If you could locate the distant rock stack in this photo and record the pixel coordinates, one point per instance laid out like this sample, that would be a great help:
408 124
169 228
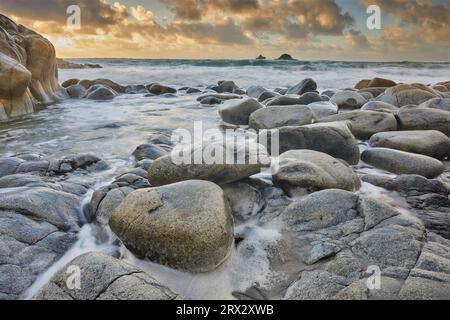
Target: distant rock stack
285 56
28 70
261 57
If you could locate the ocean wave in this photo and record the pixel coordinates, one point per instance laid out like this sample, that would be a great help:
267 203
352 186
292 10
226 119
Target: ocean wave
277 64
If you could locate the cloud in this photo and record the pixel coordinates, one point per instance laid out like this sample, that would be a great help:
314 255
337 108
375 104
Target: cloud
357 40
429 21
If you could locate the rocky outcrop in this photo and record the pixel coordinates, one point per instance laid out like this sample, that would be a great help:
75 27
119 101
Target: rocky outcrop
105 278
28 70
286 56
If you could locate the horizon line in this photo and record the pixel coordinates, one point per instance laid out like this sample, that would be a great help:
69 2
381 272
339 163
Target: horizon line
267 59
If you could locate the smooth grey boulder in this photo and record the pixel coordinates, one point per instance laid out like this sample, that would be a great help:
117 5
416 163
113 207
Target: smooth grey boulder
437 103
217 98
294 99
136 89
159 89
149 151
333 138
105 278
400 162
186 226
348 100
101 93
256 91
364 124
224 86
300 170
275 117
238 111
306 85
76 91
268 95
431 143
380 106
404 94
424 119
179 165
323 109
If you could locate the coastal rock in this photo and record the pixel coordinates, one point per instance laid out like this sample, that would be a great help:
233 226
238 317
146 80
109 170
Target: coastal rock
109 84
403 95
286 100
437 103
86 83
275 117
306 85
265 96
381 83
149 151
364 124
37 226
159 89
379 106
400 162
323 109
375 92
430 143
362 84
320 210
105 278
70 82
101 93
334 139
315 285
225 87
179 165
285 56
238 111
261 57
216 98
28 70
187 225
76 91
136 89
424 119
245 200
348 100
300 170
256 91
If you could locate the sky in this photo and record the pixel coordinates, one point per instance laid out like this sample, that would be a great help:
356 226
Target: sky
413 30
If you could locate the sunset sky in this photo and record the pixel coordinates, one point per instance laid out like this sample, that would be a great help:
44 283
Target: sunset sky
308 29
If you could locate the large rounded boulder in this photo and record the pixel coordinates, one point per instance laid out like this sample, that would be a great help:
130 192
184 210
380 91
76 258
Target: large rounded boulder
306 170
238 111
187 226
400 162
427 142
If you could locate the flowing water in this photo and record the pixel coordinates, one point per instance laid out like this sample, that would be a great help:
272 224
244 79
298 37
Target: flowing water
113 129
